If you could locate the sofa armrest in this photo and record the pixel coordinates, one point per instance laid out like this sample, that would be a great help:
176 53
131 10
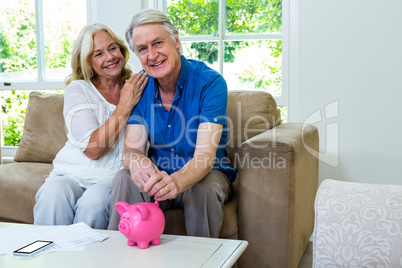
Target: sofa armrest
278 180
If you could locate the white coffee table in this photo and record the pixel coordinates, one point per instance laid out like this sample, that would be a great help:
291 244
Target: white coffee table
174 251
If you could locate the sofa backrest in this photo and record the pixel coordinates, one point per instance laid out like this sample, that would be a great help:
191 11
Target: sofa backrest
249 113
44 129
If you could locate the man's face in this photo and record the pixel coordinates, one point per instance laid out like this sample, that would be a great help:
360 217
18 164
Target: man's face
158 54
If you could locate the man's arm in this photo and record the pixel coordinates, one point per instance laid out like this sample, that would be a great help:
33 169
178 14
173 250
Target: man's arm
134 154
164 186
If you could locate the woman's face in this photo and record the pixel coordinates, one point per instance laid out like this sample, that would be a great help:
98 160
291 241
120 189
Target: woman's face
106 58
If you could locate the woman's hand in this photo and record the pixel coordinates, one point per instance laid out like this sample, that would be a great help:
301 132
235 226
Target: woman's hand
106 135
132 90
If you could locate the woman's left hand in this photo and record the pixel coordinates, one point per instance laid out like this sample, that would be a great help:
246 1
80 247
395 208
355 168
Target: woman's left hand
132 90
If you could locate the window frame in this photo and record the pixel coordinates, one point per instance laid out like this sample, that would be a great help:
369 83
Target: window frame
222 37
41 82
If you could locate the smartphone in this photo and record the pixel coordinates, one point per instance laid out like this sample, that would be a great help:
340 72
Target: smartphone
33 248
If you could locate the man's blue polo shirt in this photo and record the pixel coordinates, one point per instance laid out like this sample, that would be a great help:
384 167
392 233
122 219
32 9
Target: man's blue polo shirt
201 97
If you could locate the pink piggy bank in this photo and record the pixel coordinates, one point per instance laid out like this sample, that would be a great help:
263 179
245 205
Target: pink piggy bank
141 223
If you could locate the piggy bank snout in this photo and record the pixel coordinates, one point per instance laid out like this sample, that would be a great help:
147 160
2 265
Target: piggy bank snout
124 227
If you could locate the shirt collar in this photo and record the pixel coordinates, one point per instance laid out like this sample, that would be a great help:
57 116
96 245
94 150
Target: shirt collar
182 78
183 74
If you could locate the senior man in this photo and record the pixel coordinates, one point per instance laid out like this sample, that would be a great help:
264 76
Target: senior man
176 137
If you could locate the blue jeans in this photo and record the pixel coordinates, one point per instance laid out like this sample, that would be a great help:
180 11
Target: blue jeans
62 201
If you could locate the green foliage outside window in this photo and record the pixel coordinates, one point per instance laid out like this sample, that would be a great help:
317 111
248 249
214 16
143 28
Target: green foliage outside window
201 17
18 47
18 52
13 108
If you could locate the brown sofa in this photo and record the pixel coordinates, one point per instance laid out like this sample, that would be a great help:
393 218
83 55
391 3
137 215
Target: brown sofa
273 206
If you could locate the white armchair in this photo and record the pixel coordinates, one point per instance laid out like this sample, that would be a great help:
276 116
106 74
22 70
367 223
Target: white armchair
357 225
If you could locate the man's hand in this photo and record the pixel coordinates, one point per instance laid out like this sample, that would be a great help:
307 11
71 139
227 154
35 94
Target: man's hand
141 169
161 186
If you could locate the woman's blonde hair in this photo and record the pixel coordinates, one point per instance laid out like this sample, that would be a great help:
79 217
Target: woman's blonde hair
82 49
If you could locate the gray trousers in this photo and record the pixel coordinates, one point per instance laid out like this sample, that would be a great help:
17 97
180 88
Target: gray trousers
202 203
62 201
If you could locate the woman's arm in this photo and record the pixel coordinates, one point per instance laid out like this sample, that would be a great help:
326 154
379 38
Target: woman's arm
103 138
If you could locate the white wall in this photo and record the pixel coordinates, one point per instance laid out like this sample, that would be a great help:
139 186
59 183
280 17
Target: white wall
117 15
346 55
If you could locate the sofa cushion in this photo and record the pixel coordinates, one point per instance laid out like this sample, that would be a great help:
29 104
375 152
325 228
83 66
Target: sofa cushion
44 132
175 223
19 183
249 114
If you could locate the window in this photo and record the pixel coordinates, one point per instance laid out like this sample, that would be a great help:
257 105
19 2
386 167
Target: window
36 39
241 39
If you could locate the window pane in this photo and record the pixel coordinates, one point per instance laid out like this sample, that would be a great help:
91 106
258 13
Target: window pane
17 40
194 17
284 113
62 20
253 16
254 65
14 105
202 51
13 108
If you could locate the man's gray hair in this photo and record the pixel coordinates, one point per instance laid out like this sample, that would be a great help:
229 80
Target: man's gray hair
151 16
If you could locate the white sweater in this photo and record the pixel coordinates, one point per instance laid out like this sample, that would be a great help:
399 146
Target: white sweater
85 110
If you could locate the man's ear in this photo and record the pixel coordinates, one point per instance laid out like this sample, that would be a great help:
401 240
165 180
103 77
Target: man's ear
176 36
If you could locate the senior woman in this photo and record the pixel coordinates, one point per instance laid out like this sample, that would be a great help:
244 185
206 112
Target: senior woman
100 95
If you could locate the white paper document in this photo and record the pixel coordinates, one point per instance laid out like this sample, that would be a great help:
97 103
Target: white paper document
66 238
